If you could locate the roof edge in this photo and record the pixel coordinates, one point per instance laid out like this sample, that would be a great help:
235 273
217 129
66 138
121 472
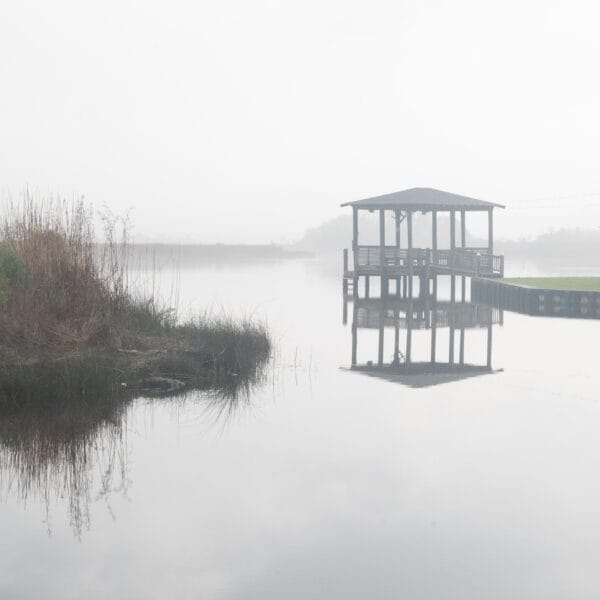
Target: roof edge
375 207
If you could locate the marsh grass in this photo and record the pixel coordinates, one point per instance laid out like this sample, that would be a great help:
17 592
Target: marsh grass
70 326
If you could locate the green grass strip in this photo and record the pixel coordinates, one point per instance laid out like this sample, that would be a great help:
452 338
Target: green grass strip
582 284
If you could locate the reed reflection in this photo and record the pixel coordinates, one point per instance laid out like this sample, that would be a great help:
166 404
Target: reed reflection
73 450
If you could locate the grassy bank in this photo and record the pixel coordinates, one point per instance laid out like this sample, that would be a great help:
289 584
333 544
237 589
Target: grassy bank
69 325
582 284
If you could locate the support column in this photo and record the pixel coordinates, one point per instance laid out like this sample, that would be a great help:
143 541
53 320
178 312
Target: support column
433 333
491 231
396 337
345 310
409 313
489 345
452 249
398 215
354 332
383 279
355 252
381 336
434 247
463 244
409 224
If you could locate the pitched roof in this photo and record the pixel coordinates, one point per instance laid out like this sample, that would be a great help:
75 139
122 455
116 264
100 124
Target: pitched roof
425 199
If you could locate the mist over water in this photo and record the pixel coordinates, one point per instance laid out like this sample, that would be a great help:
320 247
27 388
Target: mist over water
322 480
420 446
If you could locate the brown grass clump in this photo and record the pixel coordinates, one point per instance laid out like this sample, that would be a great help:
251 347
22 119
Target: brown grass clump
56 296
68 321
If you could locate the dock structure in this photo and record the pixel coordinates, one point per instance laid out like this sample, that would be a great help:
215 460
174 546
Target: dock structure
401 262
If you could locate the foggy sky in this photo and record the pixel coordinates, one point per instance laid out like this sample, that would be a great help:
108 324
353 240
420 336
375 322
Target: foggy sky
236 121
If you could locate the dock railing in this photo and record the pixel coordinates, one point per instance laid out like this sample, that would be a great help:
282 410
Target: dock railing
464 261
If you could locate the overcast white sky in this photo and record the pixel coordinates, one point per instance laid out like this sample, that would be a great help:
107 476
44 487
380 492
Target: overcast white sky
238 121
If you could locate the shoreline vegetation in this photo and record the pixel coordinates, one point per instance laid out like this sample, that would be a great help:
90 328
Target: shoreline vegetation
70 326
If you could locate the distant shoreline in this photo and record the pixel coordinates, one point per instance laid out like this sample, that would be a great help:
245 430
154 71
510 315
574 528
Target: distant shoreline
225 252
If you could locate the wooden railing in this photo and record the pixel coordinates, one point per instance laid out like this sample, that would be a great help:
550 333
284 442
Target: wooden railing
372 256
467 261
470 261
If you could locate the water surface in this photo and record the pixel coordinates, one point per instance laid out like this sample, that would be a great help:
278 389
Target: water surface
325 482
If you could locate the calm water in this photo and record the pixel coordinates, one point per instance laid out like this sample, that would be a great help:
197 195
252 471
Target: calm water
325 483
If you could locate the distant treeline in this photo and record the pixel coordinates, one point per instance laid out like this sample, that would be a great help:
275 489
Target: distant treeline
336 234
188 254
580 244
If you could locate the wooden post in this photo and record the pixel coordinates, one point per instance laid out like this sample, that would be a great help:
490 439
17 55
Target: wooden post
409 331
452 249
367 285
396 337
382 236
355 251
381 336
354 332
433 332
489 345
383 279
409 224
451 346
461 351
397 215
434 247
463 244
491 231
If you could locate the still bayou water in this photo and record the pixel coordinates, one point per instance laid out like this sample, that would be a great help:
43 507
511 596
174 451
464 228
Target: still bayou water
324 483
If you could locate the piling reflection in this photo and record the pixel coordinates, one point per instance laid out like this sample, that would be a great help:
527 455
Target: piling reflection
74 451
439 360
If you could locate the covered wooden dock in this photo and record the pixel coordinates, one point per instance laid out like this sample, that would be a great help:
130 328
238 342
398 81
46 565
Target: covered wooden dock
401 261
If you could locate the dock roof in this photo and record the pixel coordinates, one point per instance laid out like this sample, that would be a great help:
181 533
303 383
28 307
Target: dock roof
423 199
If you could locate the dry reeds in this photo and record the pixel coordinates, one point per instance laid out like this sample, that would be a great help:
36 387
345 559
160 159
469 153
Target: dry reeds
63 299
67 319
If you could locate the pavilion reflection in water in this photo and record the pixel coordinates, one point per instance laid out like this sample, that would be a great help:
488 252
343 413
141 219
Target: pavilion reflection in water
445 361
